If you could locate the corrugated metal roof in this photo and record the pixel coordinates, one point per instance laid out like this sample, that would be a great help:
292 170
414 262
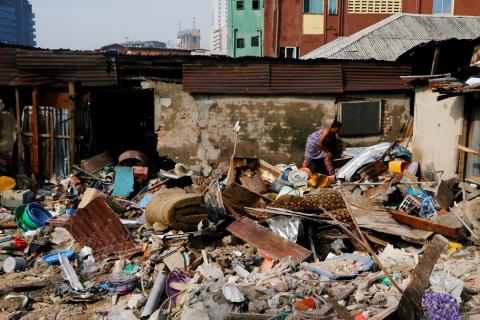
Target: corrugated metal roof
29 67
300 78
262 79
390 38
360 77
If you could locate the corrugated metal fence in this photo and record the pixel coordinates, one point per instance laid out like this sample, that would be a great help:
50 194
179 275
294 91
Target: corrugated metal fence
54 138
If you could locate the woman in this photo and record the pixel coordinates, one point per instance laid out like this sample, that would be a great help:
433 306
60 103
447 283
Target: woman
318 149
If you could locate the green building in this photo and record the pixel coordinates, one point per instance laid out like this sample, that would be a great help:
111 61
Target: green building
245 28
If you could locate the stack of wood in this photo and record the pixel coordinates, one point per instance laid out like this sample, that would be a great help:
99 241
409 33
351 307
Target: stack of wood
315 203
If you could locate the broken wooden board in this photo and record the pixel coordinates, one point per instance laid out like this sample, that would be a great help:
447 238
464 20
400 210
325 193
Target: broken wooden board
379 193
424 224
444 195
342 295
473 179
410 307
265 166
472 193
373 217
266 241
242 197
97 163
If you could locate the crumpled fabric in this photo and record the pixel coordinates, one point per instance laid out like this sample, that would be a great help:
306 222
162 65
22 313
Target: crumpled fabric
177 276
440 306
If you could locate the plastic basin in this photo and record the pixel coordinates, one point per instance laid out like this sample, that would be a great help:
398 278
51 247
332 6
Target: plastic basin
23 220
38 214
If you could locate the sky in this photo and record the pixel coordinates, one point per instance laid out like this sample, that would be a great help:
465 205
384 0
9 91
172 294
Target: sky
91 24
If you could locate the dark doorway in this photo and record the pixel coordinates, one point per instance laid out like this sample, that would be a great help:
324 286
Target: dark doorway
123 119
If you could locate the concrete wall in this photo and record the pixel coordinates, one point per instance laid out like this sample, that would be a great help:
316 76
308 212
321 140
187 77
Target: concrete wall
198 130
437 127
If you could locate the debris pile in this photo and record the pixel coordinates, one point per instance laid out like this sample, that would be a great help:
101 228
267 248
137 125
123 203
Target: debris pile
124 240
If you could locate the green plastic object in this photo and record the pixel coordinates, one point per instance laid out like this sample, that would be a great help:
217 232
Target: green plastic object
22 219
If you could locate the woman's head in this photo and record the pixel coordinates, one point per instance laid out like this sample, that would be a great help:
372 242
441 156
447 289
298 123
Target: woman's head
336 127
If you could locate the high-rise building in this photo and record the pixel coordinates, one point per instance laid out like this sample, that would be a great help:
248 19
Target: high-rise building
218 36
17 25
189 39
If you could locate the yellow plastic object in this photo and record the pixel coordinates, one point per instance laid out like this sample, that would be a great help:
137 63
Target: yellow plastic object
7 183
454 247
397 166
319 181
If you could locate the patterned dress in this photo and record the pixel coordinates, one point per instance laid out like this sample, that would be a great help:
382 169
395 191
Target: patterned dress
313 151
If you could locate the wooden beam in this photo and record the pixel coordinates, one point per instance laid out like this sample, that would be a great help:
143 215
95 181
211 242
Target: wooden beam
410 307
51 128
35 137
424 224
436 57
72 107
18 115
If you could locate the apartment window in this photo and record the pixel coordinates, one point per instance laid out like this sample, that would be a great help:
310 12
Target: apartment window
239 4
374 6
361 118
255 4
313 6
255 41
333 7
290 52
442 6
240 43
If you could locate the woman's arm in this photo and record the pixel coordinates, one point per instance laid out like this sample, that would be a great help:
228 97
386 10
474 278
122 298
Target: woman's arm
322 139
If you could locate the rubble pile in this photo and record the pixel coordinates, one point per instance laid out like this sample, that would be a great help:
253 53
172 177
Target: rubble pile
121 240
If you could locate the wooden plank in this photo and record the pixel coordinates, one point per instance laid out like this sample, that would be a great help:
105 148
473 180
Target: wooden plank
462 140
18 115
410 306
424 224
342 295
264 165
72 107
51 117
374 217
35 137
97 162
468 150
444 195
473 179
240 195
264 240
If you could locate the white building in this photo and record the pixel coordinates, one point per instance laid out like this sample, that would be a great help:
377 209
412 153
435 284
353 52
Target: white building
219 27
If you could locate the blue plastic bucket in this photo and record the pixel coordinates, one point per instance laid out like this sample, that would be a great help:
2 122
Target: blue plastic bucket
38 214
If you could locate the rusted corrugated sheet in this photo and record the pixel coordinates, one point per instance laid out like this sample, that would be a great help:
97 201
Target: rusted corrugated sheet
262 79
98 227
375 77
304 79
8 68
226 79
28 67
270 78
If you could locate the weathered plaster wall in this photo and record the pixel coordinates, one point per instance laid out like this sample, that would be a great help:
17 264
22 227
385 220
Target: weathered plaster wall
198 130
437 127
